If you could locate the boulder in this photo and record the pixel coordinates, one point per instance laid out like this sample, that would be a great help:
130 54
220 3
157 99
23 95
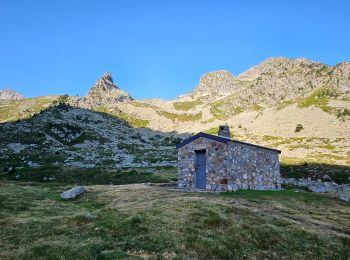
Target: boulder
318 189
232 187
343 197
72 193
326 177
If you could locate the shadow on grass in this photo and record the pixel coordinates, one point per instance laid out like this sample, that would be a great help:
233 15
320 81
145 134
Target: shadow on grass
337 173
92 176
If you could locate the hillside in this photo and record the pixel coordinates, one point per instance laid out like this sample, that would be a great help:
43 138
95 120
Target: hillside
74 137
296 105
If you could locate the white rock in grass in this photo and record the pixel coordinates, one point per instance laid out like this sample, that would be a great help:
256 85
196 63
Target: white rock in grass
343 197
318 189
72 193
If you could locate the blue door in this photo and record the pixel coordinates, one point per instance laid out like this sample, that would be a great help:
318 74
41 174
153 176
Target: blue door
200 170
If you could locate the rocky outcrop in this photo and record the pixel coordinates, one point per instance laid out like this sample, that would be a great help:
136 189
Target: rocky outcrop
341 191
9 94
272 82
215 84
285 79
105 92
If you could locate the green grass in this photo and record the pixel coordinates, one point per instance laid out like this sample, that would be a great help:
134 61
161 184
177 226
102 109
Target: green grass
113 222
133 121
284 104
217 111
212 131
181 117
187 105
299 146
319 98
93 175
268 138
222 109
256 107
142 104
22 109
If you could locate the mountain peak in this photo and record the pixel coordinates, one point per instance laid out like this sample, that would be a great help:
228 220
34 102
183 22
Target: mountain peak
9 94
105 92
215 84
107 76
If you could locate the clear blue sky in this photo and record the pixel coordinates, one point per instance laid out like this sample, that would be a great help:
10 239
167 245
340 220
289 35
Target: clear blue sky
159 48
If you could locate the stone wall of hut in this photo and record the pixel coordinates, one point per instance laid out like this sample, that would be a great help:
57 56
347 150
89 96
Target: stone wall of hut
229 166
253 167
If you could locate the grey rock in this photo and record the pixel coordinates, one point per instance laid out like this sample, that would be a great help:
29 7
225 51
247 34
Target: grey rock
72 193
91 216
318 189
343 197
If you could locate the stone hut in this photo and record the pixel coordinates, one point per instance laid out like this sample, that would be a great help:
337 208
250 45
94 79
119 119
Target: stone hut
219 163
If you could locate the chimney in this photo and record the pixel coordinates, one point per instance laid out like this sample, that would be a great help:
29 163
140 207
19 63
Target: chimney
224 131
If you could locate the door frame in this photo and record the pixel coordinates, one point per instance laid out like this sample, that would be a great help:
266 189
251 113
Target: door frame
195 167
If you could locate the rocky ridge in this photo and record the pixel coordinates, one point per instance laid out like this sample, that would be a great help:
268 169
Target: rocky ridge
9 94
273 82
104 93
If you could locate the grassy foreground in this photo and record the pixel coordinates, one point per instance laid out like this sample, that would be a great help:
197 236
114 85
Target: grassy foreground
139 221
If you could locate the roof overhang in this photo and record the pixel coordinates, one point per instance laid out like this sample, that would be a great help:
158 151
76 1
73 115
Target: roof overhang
220 139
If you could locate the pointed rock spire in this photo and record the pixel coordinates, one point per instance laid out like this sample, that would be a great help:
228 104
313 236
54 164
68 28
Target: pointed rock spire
105 93
107 76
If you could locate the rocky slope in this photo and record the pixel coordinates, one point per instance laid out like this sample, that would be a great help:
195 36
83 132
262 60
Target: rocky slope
264 105
9 94
74 137
274 82
215 84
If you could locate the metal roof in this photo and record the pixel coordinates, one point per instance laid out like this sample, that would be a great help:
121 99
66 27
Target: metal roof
220 139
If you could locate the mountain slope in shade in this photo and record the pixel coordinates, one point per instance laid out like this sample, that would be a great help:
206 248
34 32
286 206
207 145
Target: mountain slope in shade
9 94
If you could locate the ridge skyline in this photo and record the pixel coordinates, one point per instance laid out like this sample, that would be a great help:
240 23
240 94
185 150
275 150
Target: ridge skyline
189 88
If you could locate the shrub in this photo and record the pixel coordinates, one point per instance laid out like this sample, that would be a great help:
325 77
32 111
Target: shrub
63 99
299 128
